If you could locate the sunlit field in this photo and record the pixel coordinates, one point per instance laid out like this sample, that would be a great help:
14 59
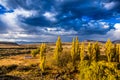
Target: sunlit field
60 61
59 39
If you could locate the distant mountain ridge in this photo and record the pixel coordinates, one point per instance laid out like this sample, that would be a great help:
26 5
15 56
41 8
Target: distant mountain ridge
8 43
25 42
95 41
115 41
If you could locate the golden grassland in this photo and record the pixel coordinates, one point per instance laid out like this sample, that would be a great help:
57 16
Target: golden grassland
16 63
17 55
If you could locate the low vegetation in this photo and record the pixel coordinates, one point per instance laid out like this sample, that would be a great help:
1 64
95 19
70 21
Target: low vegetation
77 61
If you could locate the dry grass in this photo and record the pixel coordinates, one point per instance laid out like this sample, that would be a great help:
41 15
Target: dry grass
16 55
19 60
24 50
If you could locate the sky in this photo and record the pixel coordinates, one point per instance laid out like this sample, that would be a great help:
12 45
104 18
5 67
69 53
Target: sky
44 20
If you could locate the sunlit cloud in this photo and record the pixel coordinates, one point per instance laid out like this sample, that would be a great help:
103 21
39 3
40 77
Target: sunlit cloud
38 20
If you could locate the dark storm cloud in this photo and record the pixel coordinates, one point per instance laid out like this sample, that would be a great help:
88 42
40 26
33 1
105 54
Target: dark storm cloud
30 4
4 10
37 21
3 27
86 17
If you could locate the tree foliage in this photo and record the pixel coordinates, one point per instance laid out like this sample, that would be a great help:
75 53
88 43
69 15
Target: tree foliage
89 51
109 50
93 51
75 50
117 52
42 64
42 56
35 52
42 50
82 52
97 71
58 50
88 69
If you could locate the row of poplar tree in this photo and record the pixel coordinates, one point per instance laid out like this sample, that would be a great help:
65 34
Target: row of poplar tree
112 52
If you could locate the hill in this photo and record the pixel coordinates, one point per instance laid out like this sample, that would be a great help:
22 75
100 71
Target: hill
8 43
116 41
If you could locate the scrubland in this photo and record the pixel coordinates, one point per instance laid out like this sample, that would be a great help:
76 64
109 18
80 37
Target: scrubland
18 63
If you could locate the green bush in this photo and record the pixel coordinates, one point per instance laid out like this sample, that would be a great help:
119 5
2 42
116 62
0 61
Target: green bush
35 52
98 71
65 58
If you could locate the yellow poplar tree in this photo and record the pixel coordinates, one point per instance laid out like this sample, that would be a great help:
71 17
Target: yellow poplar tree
42 56
73 51
77 49
82 52
58 50
93 53
42 64
109 50
97 51
42 50
89 48
117 53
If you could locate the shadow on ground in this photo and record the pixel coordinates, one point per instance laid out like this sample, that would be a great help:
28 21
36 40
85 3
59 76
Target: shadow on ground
8 77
